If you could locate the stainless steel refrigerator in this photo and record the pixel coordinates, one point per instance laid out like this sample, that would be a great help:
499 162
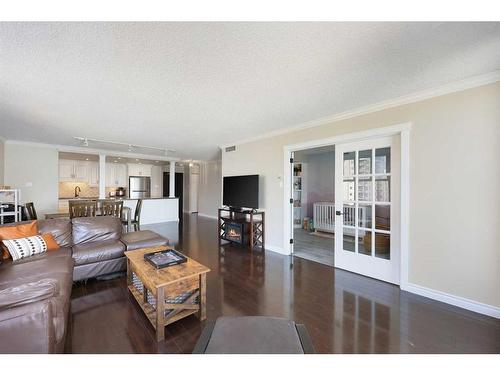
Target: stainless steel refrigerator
139 187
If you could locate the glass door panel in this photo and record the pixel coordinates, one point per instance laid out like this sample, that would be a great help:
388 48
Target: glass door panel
364 242
366 184
365 187
365 162
383 245
349 187
383 160
383 188
349 164
383 217
365 216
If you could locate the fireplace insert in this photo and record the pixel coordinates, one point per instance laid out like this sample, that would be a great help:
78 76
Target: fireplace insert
236 232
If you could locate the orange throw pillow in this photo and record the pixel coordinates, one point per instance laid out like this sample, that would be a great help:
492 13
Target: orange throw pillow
50 241
15 232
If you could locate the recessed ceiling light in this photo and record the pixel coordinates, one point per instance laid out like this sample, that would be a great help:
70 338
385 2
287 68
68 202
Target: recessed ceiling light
116 161
119 158
136 159
157 161
140 163
86 158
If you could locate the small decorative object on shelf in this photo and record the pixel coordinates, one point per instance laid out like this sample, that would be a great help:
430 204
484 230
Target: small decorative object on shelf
165 258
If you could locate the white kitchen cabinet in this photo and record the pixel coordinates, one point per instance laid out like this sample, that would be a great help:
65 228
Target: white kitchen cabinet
116 175
110 175
139 170
93 174
121 175
66 169
133 169
81 168
73 170
194 181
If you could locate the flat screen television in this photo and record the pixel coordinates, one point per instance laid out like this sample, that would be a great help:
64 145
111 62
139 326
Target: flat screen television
241 191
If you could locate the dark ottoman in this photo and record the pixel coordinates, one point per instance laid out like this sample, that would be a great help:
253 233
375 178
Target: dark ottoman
254 335
142 239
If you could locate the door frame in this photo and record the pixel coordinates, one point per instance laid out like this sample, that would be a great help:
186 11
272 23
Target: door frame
403 131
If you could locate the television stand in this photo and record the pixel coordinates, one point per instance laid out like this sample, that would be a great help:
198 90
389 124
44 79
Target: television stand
242 227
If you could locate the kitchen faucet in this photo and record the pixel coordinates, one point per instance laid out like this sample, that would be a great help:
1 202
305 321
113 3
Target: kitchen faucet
77 193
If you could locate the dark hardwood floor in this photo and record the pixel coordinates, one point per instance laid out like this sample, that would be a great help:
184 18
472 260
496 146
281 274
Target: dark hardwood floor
343 312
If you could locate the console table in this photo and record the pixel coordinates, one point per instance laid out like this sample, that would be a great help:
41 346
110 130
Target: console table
246 227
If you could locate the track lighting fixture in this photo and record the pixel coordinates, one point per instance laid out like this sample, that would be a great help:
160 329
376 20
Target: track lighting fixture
130 147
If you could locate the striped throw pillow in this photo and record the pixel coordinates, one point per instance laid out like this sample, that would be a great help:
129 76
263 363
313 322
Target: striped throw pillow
25 247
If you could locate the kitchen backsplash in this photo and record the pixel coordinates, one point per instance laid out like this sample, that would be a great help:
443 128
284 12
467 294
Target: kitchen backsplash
67 190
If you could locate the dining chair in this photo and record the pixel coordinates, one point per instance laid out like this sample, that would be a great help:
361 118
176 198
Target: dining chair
82 209
110 207
136 221
30 211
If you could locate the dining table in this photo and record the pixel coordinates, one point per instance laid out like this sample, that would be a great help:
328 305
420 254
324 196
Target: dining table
126 211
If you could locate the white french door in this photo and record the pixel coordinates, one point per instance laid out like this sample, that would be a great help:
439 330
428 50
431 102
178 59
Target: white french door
367 207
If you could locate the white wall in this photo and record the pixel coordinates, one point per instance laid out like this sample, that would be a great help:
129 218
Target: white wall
34 170
185 187
156 181
320 178
2 161
454 185
193 187
210 189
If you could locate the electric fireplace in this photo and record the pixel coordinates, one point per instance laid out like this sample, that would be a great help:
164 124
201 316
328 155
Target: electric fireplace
236 231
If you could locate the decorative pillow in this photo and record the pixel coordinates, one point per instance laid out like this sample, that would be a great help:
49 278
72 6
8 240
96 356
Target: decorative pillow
25 247
50 241
17 231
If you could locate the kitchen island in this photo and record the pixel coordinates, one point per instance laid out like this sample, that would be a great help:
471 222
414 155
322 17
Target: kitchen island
154 210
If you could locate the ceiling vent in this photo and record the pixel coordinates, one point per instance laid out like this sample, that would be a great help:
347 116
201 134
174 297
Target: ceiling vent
230 148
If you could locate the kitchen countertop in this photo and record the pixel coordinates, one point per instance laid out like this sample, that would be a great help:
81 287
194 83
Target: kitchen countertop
149 198
64 198
124 198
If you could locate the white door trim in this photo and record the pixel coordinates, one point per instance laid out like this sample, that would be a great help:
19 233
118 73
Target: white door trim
403 130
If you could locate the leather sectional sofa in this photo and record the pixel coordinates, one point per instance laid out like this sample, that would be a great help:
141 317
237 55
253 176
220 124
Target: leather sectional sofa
35 292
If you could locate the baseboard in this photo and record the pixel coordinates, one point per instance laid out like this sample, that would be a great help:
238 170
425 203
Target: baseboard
209 216
276 249
451 299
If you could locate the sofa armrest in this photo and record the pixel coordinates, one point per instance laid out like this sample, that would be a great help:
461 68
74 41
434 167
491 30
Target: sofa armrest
28 293
28 328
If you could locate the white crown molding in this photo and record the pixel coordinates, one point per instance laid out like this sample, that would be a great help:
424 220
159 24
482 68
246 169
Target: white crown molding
465 303
462 85
87 150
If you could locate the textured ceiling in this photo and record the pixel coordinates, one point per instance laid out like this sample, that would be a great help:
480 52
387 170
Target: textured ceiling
193 86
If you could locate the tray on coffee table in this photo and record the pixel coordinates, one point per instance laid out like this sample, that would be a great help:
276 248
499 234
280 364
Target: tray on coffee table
165 258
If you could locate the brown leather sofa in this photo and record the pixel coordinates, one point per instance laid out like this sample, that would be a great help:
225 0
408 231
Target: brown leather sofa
35 292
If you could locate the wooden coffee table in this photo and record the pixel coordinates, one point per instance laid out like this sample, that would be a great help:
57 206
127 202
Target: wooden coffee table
168 294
